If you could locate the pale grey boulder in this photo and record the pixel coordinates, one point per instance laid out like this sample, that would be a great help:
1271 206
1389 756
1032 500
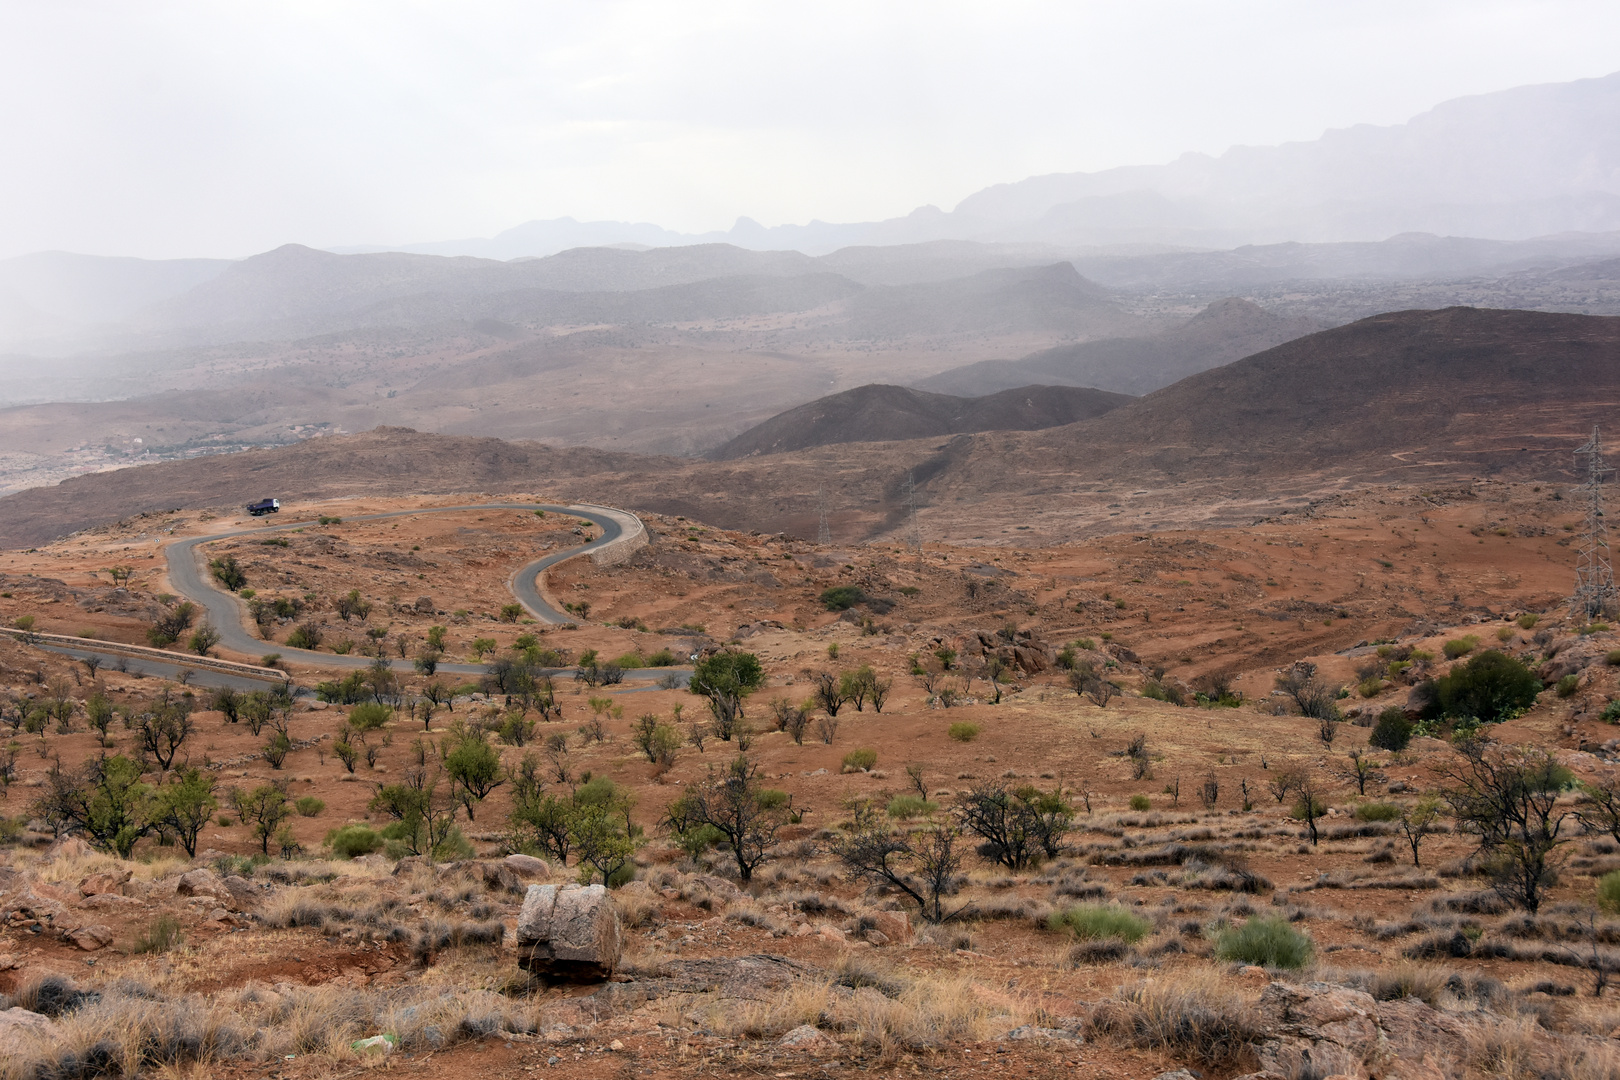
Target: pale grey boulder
569 932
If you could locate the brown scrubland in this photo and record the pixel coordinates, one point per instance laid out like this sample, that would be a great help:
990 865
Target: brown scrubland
1171 838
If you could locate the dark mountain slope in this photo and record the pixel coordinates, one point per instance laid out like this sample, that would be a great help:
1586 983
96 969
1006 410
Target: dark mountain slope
1400 395
880 413
1227 330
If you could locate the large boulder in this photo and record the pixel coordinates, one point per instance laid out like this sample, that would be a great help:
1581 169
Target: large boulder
202 882
92 937
110 881
21 1029
1319 1029
528 865
569 932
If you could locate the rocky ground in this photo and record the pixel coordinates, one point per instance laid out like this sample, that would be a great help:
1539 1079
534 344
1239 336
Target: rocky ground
285 963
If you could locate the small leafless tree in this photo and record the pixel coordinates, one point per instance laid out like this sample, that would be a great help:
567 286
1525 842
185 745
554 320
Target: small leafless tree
1209 792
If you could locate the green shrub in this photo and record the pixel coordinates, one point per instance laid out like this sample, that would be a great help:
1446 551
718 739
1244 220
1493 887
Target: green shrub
661 658
306 636
1267 942
352 841
1141 802
910 806
1504 633
1608 891
1301 811
1568 685
1393 731
963 731
842 597
1460 646
310 806
1370 687
1527 621
631 661
370 715
161 935
1087 644
1489 688
1611 711
1097 922
861 760
1377 811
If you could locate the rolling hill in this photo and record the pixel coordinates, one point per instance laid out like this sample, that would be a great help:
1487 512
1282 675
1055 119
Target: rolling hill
881 413
1227 330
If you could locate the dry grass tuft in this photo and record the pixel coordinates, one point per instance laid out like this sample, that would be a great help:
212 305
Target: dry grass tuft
1196 1015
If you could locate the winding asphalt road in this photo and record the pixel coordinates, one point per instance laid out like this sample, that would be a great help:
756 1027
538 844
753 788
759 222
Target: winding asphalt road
229 616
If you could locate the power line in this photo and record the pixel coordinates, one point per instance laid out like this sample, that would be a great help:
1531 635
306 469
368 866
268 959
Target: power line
1594 576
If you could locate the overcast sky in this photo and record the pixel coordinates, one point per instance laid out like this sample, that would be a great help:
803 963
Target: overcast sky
171 129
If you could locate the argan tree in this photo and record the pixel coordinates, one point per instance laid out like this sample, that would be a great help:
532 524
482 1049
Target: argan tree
732 801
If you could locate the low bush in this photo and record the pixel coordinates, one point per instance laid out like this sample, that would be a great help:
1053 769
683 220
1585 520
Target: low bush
352 841
1378 811
1491 687
842 597
962 731
310 806
1393 731
1092 922
1141 802
1611 711
661 658
1266 942
860 760
1460 646
1608 891
910 806
1568 685
1612 658
1527 621
160 935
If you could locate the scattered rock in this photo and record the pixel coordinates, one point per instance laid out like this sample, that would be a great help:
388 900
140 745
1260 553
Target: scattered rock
893 925
202 882
1183 1074
569 932
806 1037
615 1045
110 902
92 937
68 847
1031 1033
500 877
528 865
244 892
19 1028
109 882
832 933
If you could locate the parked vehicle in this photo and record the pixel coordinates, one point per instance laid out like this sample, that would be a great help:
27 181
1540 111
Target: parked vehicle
264 506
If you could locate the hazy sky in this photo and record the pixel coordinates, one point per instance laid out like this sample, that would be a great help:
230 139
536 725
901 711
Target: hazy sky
169 129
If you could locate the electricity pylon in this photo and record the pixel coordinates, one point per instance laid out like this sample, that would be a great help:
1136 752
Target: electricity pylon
1594 576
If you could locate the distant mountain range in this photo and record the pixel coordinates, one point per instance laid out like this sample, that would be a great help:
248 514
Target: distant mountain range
1418 397
1519 163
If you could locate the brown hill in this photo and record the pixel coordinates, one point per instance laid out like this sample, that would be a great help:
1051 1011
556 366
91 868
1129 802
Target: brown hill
883 413
1459 391
1225 331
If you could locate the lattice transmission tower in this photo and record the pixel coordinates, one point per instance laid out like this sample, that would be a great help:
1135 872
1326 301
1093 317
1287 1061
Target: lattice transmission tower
1594 576
914 532
823 530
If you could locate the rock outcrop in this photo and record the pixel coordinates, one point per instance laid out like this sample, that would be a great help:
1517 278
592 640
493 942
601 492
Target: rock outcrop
569 932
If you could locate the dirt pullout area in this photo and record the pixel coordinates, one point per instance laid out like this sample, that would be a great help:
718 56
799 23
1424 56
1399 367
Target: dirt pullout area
1180 794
